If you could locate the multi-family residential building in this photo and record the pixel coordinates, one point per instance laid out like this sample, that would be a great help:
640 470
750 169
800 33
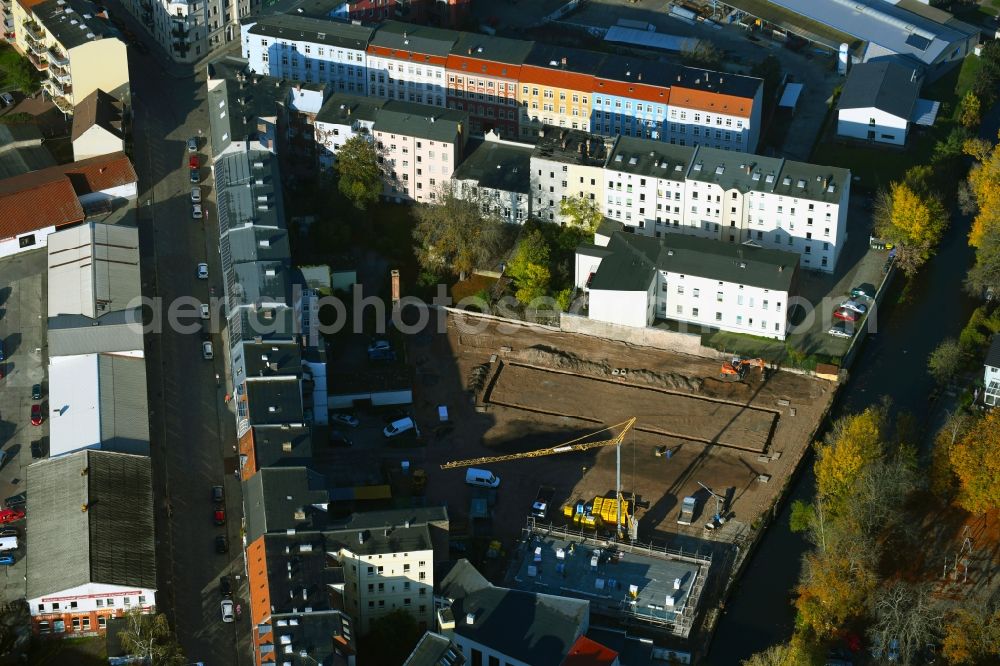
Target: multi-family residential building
308 49
633 280
498 176
566 163
483 74
75 48
92 542
409 63
991 376
653 188
420 147
555 88
714 109
342 117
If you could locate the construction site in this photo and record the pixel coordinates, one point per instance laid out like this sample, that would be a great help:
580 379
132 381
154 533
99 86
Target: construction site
631 445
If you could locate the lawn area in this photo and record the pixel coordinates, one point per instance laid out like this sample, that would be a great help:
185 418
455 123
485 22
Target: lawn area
772 351
91 651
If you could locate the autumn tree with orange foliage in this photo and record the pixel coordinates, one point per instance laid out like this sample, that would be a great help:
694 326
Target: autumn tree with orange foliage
854 441
975 459
984 185
972 634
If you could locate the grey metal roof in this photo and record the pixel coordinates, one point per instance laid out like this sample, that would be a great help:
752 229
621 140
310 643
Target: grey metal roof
124 407
883 85
532 628
415 38
281 445
551 56
93 270
272 358
73 22
314 30
422 121
274 495
993 354
274 400
69 335
20 135
399 539
375 523
241 180
315 277
894 28
435 650
494 49
265 323
344 109
258 243
747 173
111 542
572 146
645 157
634 258
17 161
263 281
498 166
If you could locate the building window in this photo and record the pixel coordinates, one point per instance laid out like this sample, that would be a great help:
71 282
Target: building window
694 312
718 296
718 316
100 604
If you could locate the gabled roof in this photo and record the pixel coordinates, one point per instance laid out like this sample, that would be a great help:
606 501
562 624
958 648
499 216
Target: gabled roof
93 270
414 39
993 354
498 166
345 109
314 30
91 521
882 85
101 109
74 22
422 121
529 627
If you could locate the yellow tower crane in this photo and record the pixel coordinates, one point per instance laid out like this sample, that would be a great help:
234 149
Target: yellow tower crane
571 446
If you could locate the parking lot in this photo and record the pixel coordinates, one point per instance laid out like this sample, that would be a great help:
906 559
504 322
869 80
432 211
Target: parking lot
22 329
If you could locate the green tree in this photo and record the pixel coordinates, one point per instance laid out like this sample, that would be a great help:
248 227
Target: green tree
390 639
18 72
454 237
358 171
769 69
149 637
581 212
946 361
970 112
985 273
803 516
529 267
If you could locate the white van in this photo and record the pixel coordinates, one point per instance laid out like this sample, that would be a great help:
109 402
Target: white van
399 427
482 478
8 543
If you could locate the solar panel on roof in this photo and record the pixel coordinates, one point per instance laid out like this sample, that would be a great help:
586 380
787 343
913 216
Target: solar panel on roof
918 41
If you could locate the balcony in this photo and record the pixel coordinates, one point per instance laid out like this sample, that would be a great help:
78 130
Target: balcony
57 57
59 88
37 47
40 64
34 31
59 73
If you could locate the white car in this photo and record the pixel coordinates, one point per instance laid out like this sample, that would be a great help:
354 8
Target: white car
206 351
841 330
227 610
860 308
196 211
205 314
202 271
196 194
346 419
399 427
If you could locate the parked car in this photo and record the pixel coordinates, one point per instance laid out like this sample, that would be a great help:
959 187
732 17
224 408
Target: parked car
205 313
203 271
196 194
36 414
7 560
36 392
193 162
2 356
6 99
847 315
36 450
193 144
227 610
221 544
196 211
346 419
195 176
860 308
218 494
16 501
379 345
338 438
226 587
9 532
863 291
11 515
219 516
841 329
207 352
399 427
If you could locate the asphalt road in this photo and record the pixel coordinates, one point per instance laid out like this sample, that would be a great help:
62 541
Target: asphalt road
190 427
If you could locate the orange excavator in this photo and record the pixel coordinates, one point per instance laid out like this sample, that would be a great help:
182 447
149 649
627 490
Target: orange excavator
740 368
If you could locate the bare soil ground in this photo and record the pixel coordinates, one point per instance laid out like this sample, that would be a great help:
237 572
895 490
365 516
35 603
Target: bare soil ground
554 387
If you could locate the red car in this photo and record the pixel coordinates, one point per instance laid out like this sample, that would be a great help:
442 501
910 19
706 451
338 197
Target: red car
847 315
36 415
220 516
193 162
11 515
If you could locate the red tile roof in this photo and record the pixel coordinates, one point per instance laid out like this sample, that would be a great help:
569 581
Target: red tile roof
586 652
410 56
50 197
557 78
711 101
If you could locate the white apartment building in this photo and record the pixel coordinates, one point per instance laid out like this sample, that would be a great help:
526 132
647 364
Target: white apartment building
653 189
566 163
189 30
408 62
991 376
308 49
420 148
342 117
633 280
498 175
